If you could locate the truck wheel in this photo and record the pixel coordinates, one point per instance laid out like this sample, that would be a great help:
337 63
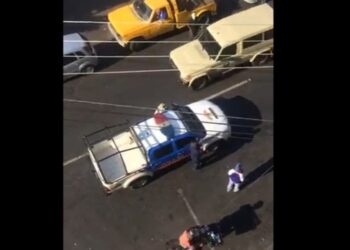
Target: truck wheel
136 44
215 147
140 182
271 56
199 83
261 59
204 18
197 31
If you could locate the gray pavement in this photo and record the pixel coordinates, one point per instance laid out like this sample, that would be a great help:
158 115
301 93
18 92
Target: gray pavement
148 217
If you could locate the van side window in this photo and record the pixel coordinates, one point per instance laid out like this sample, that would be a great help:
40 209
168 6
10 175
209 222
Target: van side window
228 51
67 60
268 34
251 41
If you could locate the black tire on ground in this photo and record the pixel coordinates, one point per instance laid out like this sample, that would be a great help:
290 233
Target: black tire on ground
215 147
140 182
200 83
88 69
271 56
136 44
261 59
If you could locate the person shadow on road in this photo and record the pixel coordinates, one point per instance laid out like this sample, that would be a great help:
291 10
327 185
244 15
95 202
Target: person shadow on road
243 220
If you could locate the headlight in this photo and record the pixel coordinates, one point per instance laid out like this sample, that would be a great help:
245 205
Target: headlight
193 16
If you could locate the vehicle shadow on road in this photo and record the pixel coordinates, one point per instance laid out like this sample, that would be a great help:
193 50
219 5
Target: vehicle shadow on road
72 10
70 28
243 220
109 49
225 8
260 171
242 130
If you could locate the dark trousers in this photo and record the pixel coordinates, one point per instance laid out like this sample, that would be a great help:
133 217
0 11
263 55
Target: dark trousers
196 161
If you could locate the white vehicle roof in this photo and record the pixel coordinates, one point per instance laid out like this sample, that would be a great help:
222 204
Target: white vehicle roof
242 25
71 47
149 132
212 117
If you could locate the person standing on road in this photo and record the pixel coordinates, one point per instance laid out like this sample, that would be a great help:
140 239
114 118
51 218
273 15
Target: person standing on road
235 178
195 154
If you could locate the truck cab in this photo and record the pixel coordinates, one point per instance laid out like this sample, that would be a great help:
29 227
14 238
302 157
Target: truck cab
141 20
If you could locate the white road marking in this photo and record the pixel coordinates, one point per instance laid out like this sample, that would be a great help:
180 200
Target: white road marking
194 216
207 98
228 89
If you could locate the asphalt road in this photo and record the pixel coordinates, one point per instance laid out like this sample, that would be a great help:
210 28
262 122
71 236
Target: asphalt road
148 217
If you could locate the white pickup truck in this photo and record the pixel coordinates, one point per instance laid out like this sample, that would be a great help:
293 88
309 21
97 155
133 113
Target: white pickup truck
130 158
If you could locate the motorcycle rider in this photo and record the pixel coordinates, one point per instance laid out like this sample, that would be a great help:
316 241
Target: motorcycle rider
194 238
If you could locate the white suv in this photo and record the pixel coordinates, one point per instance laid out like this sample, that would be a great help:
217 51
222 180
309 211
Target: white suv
244 37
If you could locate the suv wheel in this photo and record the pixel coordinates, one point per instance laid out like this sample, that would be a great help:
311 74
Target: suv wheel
88 69
136 44
140 182
214 148
199 83
261 59
197 30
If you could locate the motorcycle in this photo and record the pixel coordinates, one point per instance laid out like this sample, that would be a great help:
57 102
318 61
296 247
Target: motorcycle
214 239
211 238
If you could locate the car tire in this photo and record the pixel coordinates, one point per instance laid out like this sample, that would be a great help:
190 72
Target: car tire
261 59
88 69
215 147
200 83
140 182
135 45
197 31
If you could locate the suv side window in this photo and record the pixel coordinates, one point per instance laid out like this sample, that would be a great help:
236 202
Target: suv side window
183 142
163 151
67 60
251 41
228 51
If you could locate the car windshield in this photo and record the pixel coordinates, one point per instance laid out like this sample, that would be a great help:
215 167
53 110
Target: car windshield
209 44
189 119
142 9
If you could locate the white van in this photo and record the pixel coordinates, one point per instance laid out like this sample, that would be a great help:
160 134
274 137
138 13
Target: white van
76 55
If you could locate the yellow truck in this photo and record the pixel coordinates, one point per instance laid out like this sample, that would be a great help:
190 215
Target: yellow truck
141 20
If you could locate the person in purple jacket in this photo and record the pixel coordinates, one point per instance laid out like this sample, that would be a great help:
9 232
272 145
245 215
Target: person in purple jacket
235 178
